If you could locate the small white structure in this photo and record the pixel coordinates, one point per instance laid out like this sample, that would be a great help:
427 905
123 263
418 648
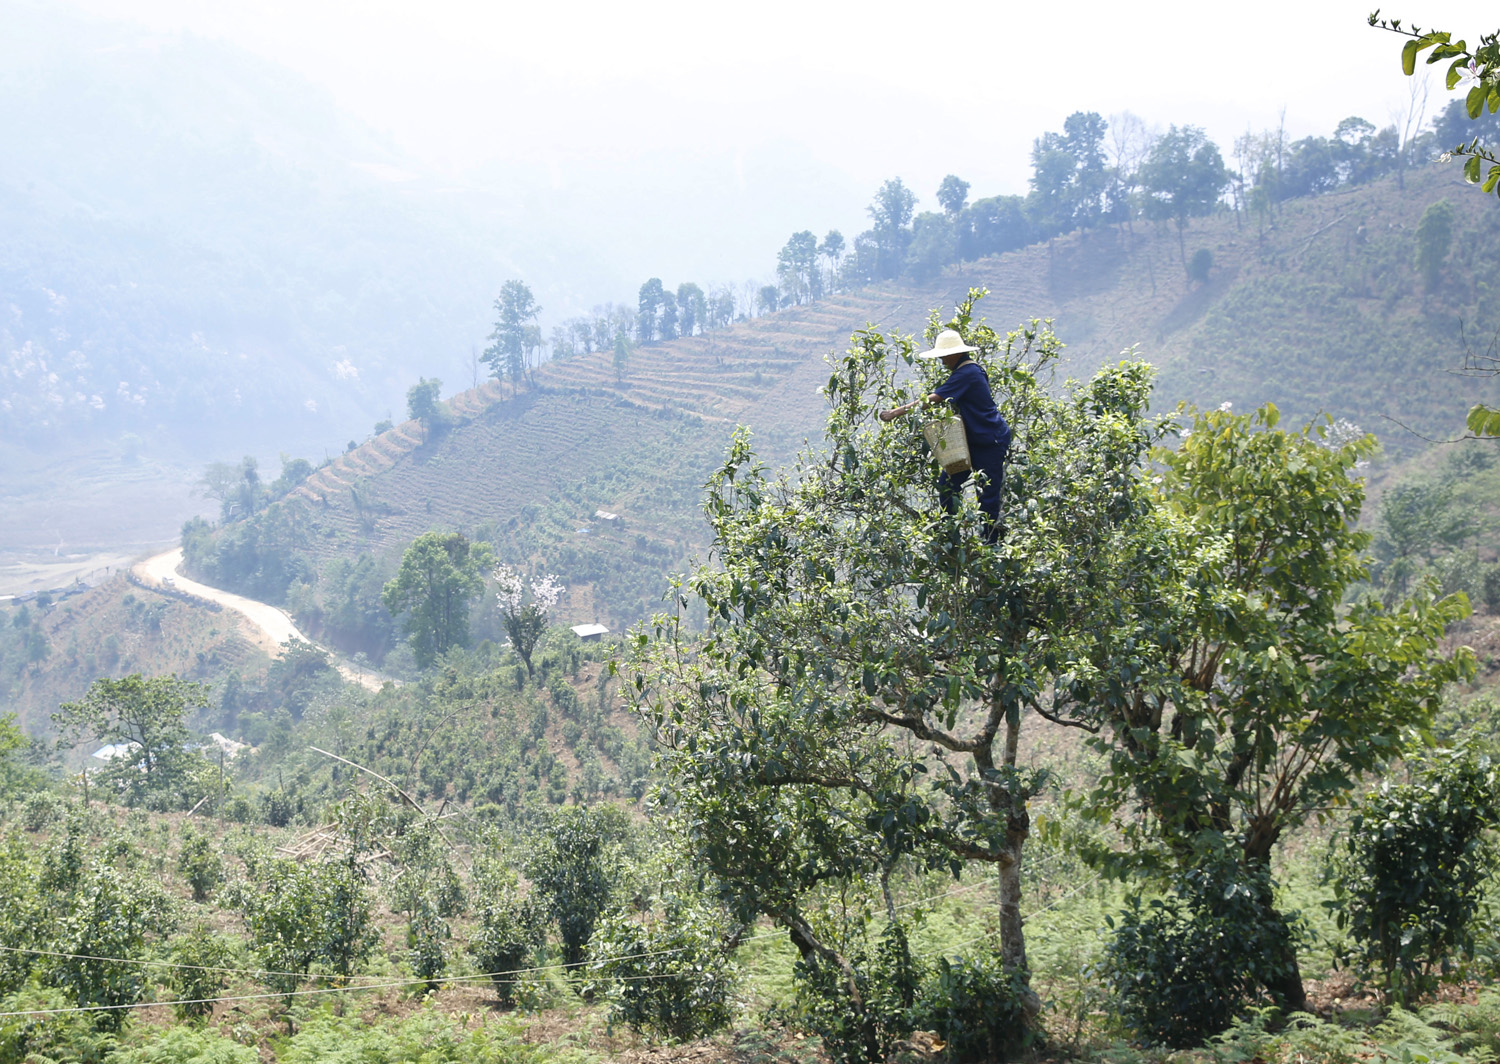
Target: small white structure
229 746
609 518
114 750
590 631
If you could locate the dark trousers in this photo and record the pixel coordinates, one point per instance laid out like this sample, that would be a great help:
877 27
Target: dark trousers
986 459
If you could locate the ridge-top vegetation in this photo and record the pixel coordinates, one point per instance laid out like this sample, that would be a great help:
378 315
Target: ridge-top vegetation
1323 309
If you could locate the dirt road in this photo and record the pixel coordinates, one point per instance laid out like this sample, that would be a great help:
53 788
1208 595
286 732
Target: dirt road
274 626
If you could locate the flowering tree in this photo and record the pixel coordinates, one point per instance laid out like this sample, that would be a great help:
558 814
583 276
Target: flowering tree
525 616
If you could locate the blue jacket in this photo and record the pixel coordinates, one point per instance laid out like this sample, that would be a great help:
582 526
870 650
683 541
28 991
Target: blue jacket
967 390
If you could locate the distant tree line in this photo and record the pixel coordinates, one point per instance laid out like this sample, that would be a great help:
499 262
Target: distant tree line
1094 173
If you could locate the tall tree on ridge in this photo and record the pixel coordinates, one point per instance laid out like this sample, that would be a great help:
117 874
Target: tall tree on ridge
516 309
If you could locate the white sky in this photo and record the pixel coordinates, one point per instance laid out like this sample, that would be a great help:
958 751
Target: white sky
847 94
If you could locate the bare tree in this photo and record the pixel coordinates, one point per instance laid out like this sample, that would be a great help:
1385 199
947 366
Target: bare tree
1408 121
1130 141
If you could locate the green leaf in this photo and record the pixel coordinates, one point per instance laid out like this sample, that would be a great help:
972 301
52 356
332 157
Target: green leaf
1409 58
1474 102
1471 168
1484 421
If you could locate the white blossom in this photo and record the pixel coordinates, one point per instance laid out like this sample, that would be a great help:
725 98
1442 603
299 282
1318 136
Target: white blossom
510 588
546 590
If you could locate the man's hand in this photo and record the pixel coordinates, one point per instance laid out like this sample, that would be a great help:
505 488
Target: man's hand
902 411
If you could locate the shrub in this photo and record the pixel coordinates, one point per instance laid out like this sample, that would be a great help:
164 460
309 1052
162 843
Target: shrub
185 1045
239 810
506 940
200 864
1200 265
575 868
276 808
40 810
427 938
1415 865
1490 588
668 976
110 916
201 954
298 914
889 980
974 1005
1186 965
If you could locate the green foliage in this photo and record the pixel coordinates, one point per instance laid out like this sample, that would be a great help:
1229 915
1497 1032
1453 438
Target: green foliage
109 916
351 615
150 713
41 1038
200 864
187 1045
1267 683
201 955
1491 587
667 974
427 940
862 1003
1480 69
440 575
1200 265
573 867
16 776
976 1005
857 700
428 1037
40 810
516 309
1184 966
1414 869
301 914
277 808
1182 178
422 402
257 557
1434 238
509 932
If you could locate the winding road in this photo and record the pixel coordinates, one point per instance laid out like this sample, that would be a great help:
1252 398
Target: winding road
273 625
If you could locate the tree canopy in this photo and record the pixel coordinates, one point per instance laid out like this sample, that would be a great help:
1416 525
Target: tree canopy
858 698
440 575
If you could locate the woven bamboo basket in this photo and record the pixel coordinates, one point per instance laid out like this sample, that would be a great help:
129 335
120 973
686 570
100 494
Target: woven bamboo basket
949 445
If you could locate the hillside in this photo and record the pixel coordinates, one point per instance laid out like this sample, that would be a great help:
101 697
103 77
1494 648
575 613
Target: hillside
51 651
1322 310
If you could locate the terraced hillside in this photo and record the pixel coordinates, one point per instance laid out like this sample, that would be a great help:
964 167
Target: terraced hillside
1316 308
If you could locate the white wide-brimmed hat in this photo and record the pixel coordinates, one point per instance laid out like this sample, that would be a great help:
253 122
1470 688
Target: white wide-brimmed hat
948 343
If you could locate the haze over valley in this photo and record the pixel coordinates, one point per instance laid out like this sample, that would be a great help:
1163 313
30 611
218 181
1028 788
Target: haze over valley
485 575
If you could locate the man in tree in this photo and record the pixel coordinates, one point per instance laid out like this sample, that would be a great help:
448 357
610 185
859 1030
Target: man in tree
516 309
855 705
969 392
440 575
